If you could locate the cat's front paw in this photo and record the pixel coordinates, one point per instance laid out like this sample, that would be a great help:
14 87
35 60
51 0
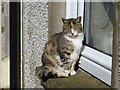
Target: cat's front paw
67 71
62 75
73 73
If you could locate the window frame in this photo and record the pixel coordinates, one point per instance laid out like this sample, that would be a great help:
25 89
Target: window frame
94 62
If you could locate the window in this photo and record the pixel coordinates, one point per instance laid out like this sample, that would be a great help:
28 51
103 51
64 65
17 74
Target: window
97 23
100 30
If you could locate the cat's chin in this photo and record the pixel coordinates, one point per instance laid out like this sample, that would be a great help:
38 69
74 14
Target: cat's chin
73 36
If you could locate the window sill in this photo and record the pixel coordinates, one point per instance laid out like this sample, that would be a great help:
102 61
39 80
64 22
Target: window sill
97 57
97 64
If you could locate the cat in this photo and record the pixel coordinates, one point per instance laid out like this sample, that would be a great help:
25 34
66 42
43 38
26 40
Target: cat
62 50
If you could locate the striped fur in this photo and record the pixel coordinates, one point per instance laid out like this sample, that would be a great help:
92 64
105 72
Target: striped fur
62 50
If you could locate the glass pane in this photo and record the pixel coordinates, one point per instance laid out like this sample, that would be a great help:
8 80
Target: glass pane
100 32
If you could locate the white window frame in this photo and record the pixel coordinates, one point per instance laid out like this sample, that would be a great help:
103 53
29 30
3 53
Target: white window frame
94 62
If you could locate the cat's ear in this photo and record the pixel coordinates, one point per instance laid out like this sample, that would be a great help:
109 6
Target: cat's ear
64 20
79 19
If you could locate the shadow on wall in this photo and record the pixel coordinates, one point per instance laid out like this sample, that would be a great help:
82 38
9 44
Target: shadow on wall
56 12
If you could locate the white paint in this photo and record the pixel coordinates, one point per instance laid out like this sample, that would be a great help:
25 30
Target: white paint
75 8
97 64
96 70
98 57
71 8
81 9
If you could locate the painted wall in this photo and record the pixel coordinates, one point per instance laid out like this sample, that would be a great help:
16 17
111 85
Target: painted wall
56 12
4 46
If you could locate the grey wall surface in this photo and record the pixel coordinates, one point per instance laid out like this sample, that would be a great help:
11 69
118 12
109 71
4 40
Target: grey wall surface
4 46
56 12
5 30
35 33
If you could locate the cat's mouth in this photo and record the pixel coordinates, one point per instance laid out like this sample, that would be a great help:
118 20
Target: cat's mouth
73 35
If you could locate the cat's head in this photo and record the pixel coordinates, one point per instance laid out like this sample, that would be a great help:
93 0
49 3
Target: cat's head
72 27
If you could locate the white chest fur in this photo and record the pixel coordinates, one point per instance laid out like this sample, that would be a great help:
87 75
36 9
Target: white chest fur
77 43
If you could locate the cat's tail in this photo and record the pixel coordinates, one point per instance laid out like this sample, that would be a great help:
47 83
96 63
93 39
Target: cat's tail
43 71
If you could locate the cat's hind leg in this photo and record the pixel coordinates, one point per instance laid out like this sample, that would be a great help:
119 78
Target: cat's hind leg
43 71
61 72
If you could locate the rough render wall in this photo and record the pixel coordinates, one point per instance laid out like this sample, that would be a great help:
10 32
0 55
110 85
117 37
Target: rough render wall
35 33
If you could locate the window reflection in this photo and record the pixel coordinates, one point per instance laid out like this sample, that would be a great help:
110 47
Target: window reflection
100 34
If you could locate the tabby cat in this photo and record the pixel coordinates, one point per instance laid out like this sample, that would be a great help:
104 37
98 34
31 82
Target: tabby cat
62 50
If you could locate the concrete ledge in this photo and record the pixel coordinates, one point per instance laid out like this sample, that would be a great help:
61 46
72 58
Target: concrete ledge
81 80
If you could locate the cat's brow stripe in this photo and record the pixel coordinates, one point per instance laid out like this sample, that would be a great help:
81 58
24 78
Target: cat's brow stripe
72 25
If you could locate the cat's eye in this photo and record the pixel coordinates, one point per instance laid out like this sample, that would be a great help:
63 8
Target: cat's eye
69 23
74 22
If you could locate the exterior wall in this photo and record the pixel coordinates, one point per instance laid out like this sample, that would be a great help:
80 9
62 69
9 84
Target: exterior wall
35 33
4 46
56 13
